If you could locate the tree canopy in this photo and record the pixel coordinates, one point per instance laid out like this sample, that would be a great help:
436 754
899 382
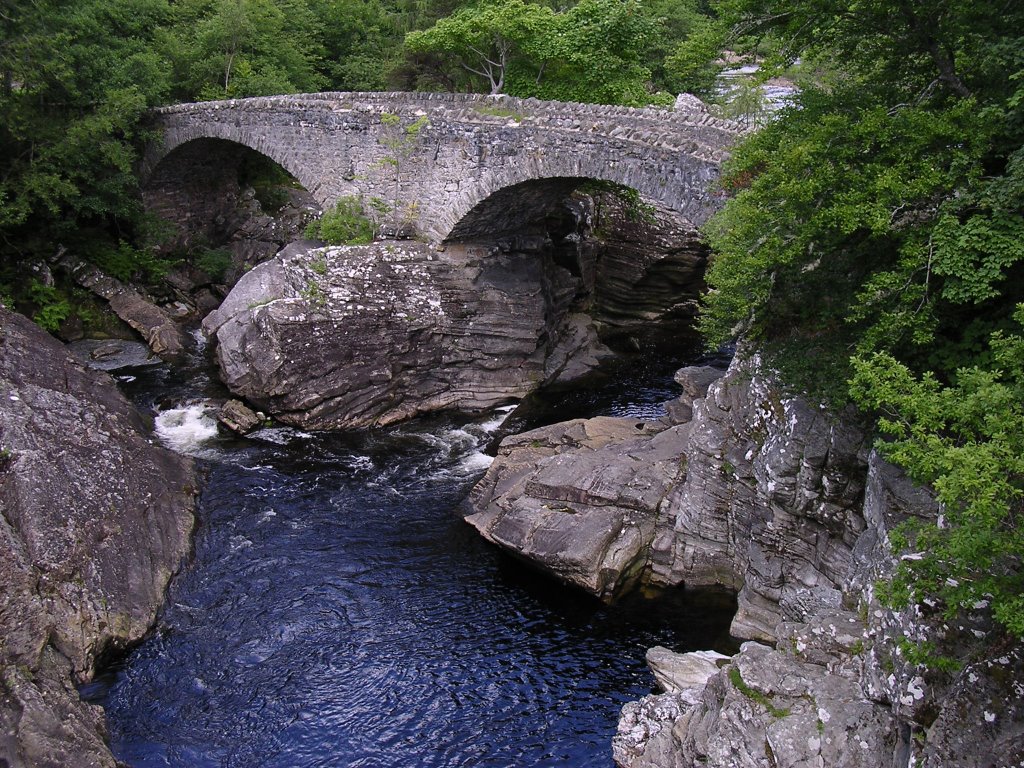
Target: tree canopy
874 246
596 50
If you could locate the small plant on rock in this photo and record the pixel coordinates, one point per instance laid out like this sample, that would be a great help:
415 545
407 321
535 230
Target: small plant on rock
345 224
215 262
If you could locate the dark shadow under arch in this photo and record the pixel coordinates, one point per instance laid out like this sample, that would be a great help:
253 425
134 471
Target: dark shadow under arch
514 209
199 186
524 207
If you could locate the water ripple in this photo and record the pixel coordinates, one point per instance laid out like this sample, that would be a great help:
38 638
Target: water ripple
338 613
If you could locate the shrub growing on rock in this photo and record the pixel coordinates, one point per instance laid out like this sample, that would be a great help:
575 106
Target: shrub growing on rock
345 224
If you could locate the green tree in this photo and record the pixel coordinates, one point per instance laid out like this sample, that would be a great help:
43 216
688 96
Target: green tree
967 442
362 43
874 236
236 48
594 51
598 53
486 40
682 56
77 77
693 65
884 212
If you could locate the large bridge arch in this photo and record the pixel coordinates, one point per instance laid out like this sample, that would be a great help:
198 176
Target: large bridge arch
209 190
467 149
515 202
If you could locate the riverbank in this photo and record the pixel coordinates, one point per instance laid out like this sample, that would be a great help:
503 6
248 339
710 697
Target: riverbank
96 519
745 486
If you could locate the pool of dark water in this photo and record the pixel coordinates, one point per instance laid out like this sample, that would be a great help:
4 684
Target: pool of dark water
338 612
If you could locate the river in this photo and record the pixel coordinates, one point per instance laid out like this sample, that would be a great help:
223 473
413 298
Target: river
338 612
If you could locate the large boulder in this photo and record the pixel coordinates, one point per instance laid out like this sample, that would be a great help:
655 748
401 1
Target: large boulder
355 336
747 472
578 499
95 520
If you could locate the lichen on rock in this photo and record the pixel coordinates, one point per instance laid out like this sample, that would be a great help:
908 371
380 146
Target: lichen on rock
94 520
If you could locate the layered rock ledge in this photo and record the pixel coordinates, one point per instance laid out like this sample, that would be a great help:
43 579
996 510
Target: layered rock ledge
745 487
355 336
94 520
579 498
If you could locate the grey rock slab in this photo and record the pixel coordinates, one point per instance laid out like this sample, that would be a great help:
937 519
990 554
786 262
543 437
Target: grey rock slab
113 354
676 672
159 329
578 499
94 520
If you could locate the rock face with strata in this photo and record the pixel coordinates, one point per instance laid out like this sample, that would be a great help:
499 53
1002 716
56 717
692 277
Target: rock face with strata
786 504
582 499
95 520
649 266
838 691
751 474
579 498
770 504
354 336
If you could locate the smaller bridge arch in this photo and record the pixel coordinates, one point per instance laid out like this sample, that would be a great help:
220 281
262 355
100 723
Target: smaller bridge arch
467 150
160 160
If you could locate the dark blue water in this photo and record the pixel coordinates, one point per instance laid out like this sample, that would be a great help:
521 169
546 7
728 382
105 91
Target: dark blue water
338 612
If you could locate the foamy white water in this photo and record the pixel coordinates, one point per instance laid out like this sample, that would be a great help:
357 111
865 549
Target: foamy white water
186 429
465 443
200 339
279 435
475 461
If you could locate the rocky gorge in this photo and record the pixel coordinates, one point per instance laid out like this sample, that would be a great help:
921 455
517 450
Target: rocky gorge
743 486
740 486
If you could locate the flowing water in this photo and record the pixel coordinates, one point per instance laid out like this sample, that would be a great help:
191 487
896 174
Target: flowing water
338 612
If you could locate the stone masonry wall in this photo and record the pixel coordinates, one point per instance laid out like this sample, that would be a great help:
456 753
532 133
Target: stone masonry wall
438 179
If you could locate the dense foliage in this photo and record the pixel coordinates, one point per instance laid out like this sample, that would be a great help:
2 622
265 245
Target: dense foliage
875 235
592 51
967 442
345 224
77 77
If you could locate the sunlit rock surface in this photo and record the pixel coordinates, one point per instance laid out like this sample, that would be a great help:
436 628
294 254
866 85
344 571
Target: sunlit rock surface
94 520
579 498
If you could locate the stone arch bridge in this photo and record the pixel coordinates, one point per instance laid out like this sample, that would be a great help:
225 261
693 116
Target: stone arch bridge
451 167
491 281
